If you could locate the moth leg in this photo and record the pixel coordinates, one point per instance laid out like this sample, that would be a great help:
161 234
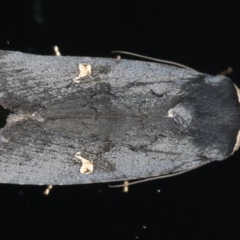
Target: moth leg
56 51
227 71
48 189
118 57
125 186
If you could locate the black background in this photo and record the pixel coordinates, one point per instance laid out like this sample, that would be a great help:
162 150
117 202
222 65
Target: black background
202 204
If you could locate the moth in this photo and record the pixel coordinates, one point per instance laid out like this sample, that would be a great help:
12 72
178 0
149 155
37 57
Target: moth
77 120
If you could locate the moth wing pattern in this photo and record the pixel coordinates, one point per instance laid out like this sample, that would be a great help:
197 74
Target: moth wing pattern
130 119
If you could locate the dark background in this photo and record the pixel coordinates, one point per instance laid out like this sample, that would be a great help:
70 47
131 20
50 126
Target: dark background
202 204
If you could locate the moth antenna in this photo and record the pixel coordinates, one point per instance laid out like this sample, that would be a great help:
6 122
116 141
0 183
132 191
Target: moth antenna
155 178
155 59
